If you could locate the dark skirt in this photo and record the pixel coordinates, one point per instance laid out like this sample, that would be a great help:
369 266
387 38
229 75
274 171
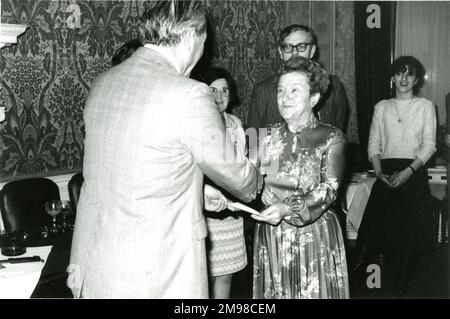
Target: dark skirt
398 219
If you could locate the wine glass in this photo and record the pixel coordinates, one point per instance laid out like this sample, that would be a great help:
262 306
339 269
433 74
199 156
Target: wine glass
65 212
53 208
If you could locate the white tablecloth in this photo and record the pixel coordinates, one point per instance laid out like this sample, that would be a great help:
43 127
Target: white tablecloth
356 195
17 281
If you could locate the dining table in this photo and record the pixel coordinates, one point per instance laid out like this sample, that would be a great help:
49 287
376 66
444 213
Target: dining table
357 192
357 189
46 279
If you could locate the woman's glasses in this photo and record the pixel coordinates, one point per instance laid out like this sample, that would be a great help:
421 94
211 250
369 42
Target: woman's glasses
300 47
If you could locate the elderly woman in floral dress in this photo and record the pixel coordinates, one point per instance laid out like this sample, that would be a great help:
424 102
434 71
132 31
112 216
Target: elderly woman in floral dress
299 247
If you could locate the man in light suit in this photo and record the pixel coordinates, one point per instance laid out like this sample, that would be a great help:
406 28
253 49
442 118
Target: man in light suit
151 135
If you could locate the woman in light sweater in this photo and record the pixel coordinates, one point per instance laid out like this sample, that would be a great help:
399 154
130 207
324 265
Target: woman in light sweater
397 223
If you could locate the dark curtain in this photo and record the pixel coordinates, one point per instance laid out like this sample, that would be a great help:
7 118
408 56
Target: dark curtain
374 51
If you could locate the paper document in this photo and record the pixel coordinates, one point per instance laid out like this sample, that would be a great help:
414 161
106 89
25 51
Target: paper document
239 206
18 281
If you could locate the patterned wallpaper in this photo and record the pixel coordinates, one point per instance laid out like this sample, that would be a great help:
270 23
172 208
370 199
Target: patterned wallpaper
246 35
45 79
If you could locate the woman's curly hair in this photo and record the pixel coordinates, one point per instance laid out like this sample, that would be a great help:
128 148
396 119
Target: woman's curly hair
319 79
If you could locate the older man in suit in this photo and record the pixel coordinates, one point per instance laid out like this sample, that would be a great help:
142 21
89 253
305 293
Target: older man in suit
151 135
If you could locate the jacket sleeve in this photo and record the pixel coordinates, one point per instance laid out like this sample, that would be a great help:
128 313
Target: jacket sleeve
340 105
203 134
307 208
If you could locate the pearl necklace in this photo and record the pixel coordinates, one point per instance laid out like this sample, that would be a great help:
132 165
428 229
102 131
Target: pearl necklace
399 119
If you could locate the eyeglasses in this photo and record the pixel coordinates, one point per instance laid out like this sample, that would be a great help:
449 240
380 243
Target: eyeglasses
216 91
300 47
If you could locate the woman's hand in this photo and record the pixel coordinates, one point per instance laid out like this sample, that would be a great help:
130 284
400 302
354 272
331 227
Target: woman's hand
383 177
400 178
273 214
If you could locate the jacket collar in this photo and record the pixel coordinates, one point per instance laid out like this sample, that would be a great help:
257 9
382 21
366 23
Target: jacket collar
154 57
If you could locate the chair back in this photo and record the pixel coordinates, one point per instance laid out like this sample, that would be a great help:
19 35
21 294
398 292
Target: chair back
74 190
22 203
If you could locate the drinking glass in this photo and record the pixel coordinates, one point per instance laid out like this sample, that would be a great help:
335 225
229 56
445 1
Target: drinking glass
65 213
53 208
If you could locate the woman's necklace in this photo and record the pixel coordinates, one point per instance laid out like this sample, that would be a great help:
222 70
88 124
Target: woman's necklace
399 119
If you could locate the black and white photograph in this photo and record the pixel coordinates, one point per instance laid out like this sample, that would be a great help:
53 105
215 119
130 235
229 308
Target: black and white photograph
239 152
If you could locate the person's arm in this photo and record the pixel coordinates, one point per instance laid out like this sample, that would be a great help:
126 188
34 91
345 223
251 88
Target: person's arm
374 143
428 146
401 177
374 149
202 133
214 200
303 209
378 169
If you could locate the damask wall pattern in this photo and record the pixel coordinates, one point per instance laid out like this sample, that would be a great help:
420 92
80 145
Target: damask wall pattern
45 78
246 34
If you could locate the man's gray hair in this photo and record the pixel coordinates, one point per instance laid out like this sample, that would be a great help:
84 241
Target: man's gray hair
165 22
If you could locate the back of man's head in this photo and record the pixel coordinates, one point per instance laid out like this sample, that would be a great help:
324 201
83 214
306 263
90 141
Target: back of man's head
296 27
164 23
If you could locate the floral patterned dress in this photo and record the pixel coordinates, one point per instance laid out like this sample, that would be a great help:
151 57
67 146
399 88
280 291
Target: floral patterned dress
304 255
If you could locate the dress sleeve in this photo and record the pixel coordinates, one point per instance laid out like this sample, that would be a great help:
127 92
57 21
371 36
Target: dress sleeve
307 208
239 134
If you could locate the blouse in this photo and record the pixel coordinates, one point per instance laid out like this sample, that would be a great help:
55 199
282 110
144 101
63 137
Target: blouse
403 129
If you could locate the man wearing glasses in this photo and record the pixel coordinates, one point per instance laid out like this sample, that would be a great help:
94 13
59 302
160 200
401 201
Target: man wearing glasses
263 111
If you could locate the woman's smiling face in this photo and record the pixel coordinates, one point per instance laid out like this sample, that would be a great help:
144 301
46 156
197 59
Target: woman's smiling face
221 93
293 97
404 80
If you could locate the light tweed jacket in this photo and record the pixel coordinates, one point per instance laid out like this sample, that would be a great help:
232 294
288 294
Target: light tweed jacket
139 230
